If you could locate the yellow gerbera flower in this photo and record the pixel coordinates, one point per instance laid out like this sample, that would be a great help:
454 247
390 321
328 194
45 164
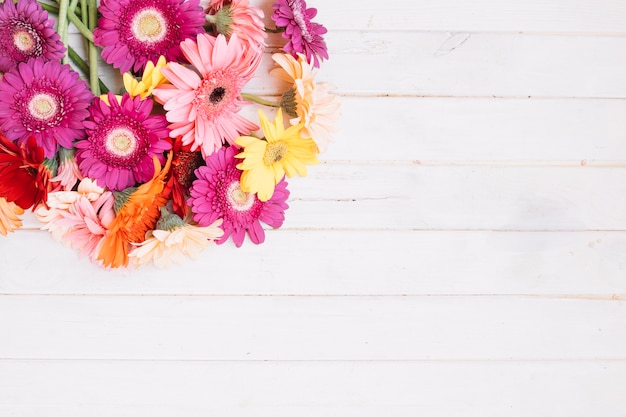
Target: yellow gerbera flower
265 162
150 79
138 214
9 220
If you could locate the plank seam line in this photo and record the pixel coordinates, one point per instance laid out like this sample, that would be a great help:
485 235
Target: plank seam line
373 361
588 297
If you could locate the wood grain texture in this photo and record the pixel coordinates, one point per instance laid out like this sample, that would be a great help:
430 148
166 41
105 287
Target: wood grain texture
358 262
312 328
285 389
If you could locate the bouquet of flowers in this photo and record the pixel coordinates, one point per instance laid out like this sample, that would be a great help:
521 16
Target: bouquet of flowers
169 165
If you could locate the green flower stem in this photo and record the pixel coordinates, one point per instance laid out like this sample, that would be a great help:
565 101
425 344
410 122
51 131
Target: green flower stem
277 30
84 30
259 100
85 19
49 8
93 51
82 65
62 24
72 6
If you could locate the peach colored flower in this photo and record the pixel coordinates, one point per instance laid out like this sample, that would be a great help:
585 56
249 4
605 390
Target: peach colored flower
179 241
9 220
308 102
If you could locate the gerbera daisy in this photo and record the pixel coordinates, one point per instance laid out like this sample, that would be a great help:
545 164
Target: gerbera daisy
137 211
173 241
265 162
59 202
27 33
67 173
310 103
217 194
122 138
150 79
203 109
86 223
182 175
237 16
46 100
25 177
135 32
9 216
305 37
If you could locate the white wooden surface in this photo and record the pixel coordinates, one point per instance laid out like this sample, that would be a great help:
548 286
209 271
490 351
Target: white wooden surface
461 252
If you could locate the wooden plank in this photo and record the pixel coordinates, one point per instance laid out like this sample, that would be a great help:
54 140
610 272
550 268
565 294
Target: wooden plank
506 16
286 389
453 64
342 263
458 130
311 328
410 196
586 16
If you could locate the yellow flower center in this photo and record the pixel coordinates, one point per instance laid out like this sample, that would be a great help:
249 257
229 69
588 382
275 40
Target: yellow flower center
42 106
274 152
23 40
239 199
149 26
121 142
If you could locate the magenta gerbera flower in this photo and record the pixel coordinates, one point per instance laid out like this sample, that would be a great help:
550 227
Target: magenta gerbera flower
202 108
216 194
305 37
122 138
134 32
46 100
26 33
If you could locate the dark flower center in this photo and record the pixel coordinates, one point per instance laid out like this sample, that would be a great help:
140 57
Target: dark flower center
217 95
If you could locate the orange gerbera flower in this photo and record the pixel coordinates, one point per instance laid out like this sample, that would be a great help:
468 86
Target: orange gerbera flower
137 212
9 220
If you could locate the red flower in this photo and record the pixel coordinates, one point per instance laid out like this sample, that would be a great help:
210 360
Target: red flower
24 179
182 175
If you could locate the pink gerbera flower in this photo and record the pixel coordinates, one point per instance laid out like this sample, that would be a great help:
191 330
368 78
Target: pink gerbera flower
305 37
122 138
203 108
237 16
217 194
86 223
26 33
135 32
46 100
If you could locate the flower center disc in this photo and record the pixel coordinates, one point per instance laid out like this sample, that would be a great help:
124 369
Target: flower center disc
149 25
121 142
42 106
301 21
23 41
239 199
274 152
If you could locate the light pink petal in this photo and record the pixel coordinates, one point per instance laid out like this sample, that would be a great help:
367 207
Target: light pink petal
181 77
191 52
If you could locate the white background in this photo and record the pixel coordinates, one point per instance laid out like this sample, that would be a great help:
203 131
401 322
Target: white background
460 252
